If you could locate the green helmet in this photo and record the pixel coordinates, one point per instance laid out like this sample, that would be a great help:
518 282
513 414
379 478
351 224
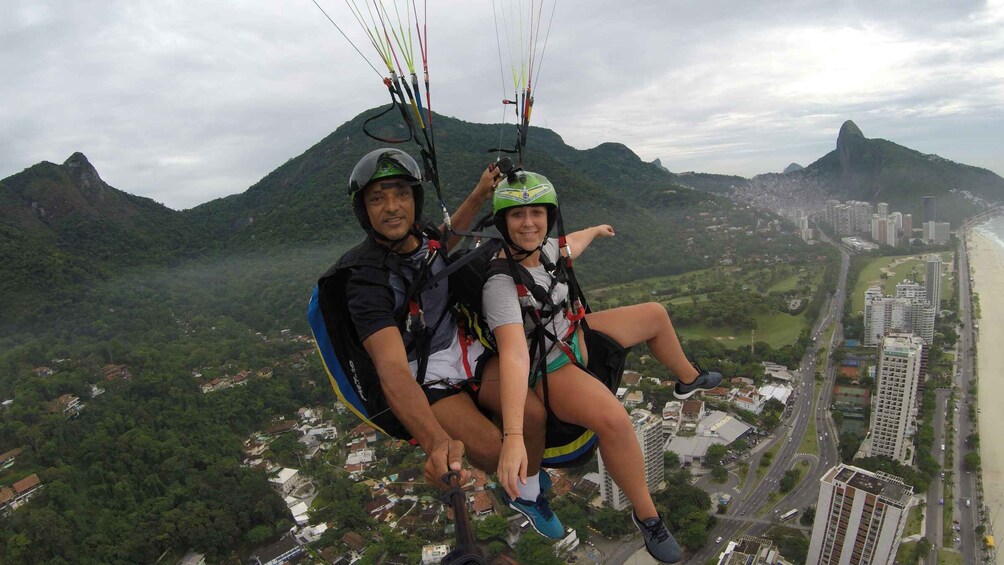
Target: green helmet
524 188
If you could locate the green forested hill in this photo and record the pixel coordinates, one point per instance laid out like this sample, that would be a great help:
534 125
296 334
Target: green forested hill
877 170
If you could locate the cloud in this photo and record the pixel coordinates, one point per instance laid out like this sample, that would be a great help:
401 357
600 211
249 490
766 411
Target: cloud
185 101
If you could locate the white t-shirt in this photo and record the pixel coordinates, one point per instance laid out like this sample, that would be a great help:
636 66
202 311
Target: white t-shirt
501 303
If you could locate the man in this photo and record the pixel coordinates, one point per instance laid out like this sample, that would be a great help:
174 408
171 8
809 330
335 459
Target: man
424 361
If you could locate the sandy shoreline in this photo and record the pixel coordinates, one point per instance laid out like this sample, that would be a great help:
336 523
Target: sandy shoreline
988 273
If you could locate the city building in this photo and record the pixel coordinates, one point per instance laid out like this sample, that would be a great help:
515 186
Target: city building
930 209
860 517
908 311
894 414
932 282
750 550
648 429
937 232
907 227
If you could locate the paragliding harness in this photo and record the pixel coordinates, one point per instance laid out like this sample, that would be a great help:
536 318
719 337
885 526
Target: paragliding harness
566 445
350 369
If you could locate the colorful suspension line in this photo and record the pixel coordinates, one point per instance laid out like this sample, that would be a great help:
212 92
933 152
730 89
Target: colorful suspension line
391 37
521 28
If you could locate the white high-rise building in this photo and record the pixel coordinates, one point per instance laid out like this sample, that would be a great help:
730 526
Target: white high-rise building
648 429
860 517
908 311
894 413
882 209
932 282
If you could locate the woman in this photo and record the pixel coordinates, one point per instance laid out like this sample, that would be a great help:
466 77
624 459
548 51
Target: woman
525 207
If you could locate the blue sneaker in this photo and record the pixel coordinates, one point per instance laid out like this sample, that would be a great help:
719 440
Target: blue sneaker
545 480
539 513
658 541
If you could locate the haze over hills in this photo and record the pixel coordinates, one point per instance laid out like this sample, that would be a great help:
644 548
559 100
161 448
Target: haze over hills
62 224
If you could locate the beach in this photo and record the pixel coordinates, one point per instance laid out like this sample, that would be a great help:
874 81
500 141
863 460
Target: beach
987 261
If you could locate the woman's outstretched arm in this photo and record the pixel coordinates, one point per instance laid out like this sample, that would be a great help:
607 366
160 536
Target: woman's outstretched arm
578 241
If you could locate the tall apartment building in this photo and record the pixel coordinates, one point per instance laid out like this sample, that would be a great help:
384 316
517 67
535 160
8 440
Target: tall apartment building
860 517
750 550
932 281
907 228
894 415
908 311
849 218
648 429
937 232
882 209
930 209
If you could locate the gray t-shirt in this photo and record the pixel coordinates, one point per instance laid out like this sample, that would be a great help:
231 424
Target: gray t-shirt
501 303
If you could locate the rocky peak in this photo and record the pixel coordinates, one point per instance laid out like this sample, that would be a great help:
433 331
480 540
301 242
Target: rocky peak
793 167
85 177
849 134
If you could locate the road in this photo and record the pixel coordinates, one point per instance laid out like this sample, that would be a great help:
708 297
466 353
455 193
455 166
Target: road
936 492
964 374
756 494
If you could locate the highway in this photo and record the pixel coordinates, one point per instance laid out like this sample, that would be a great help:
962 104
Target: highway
742 517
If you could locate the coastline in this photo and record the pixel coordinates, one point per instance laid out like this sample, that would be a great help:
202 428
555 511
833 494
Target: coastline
987 262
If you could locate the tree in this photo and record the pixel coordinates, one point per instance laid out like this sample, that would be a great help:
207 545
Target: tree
788 481
671 460
492 526
808 516
715 454
719 474
971 461
533 548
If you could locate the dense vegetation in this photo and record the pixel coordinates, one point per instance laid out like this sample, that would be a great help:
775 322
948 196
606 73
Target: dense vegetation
177 298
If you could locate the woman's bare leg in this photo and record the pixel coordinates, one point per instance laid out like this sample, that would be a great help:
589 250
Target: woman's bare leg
649 322
578 398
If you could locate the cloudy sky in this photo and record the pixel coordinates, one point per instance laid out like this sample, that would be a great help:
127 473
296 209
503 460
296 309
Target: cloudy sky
184 101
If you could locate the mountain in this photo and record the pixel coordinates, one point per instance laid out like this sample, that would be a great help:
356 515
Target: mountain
877 170
65 228
792 168
62 224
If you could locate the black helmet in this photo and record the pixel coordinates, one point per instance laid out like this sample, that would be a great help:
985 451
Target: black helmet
381 164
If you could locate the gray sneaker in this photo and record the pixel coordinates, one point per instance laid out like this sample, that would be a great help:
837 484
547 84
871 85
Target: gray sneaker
706 380
658 541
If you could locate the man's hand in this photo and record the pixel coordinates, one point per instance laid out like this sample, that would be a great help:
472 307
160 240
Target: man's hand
444 456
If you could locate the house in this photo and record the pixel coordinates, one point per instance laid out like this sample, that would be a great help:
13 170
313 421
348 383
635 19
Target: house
692 411
354 541
285 480
26 487
8 457
364 432
483 503
280 427
241 378
587 487
631 378
749 398
433 554
112 372
42 371
68 404
279 552
6 496
378 505
634 398
193 558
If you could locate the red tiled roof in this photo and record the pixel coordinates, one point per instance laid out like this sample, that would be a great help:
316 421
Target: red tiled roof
27 483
